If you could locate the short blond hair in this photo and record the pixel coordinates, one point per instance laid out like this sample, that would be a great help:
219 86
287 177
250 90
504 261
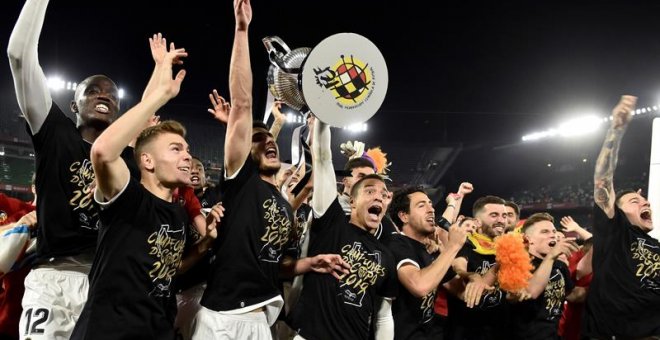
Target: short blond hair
149 134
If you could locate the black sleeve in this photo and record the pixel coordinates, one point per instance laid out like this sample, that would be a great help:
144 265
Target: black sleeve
231 186
465 251
128 155
402 251
332 217
124 207
390 286
55 125
568 281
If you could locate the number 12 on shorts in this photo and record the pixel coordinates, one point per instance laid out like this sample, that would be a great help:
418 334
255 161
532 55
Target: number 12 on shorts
35 318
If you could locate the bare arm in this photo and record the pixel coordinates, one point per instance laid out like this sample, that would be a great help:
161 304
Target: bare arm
29 80
454 202
541 276
239 125
420 282
577 295
604 195
278 122
111 171
325 187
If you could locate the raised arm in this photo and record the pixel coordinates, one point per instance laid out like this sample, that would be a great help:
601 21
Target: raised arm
325 186
29 80
239 125
454 202
278 119
604 195
111 171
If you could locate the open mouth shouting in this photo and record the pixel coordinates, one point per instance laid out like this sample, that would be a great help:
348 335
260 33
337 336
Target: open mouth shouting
271 152
375 210
645 215
194 179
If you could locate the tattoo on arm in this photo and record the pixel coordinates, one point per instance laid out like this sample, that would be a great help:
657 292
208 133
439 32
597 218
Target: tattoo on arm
605 166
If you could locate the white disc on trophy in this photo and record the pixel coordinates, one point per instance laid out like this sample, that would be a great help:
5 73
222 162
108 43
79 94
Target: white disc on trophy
344 79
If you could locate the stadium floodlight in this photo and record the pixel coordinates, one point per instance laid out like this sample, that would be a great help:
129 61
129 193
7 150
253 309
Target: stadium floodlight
56 83
359 127
121 93
579 126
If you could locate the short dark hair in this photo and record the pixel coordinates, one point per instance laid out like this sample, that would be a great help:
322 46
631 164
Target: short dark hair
514 206
482 201
401 202
535 218
358 162
622 193
360 183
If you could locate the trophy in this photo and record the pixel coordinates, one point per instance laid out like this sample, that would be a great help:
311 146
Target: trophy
343 80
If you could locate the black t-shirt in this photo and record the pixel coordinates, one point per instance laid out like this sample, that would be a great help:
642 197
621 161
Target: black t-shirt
624 295
492 311
539 318
332 309
413 316
141 243
209 197
250 244
200 271
68 217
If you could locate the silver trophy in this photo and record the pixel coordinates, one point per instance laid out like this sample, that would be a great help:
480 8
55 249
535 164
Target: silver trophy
343 79
284 74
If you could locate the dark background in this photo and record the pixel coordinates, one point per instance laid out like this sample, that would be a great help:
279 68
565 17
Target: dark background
469 75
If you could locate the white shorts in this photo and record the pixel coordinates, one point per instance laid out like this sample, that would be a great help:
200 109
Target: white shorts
187 303
213 325
53 301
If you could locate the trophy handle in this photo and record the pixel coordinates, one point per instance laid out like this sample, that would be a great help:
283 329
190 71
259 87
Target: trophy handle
277 49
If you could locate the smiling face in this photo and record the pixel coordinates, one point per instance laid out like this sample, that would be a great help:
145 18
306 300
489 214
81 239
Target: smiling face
368 203
169 160
96 102
493 219
265 152
637 209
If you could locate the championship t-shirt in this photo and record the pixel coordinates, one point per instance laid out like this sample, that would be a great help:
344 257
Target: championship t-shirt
492 310
539 318
141 243
624 295
413 316
68 218
250 246
344 309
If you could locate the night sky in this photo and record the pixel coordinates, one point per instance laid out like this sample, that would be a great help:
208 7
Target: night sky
476 74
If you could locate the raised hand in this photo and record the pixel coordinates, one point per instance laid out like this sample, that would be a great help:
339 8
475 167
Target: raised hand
569 224
465 188
220 108
276 110
158 46
243 14
165 83
622 112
